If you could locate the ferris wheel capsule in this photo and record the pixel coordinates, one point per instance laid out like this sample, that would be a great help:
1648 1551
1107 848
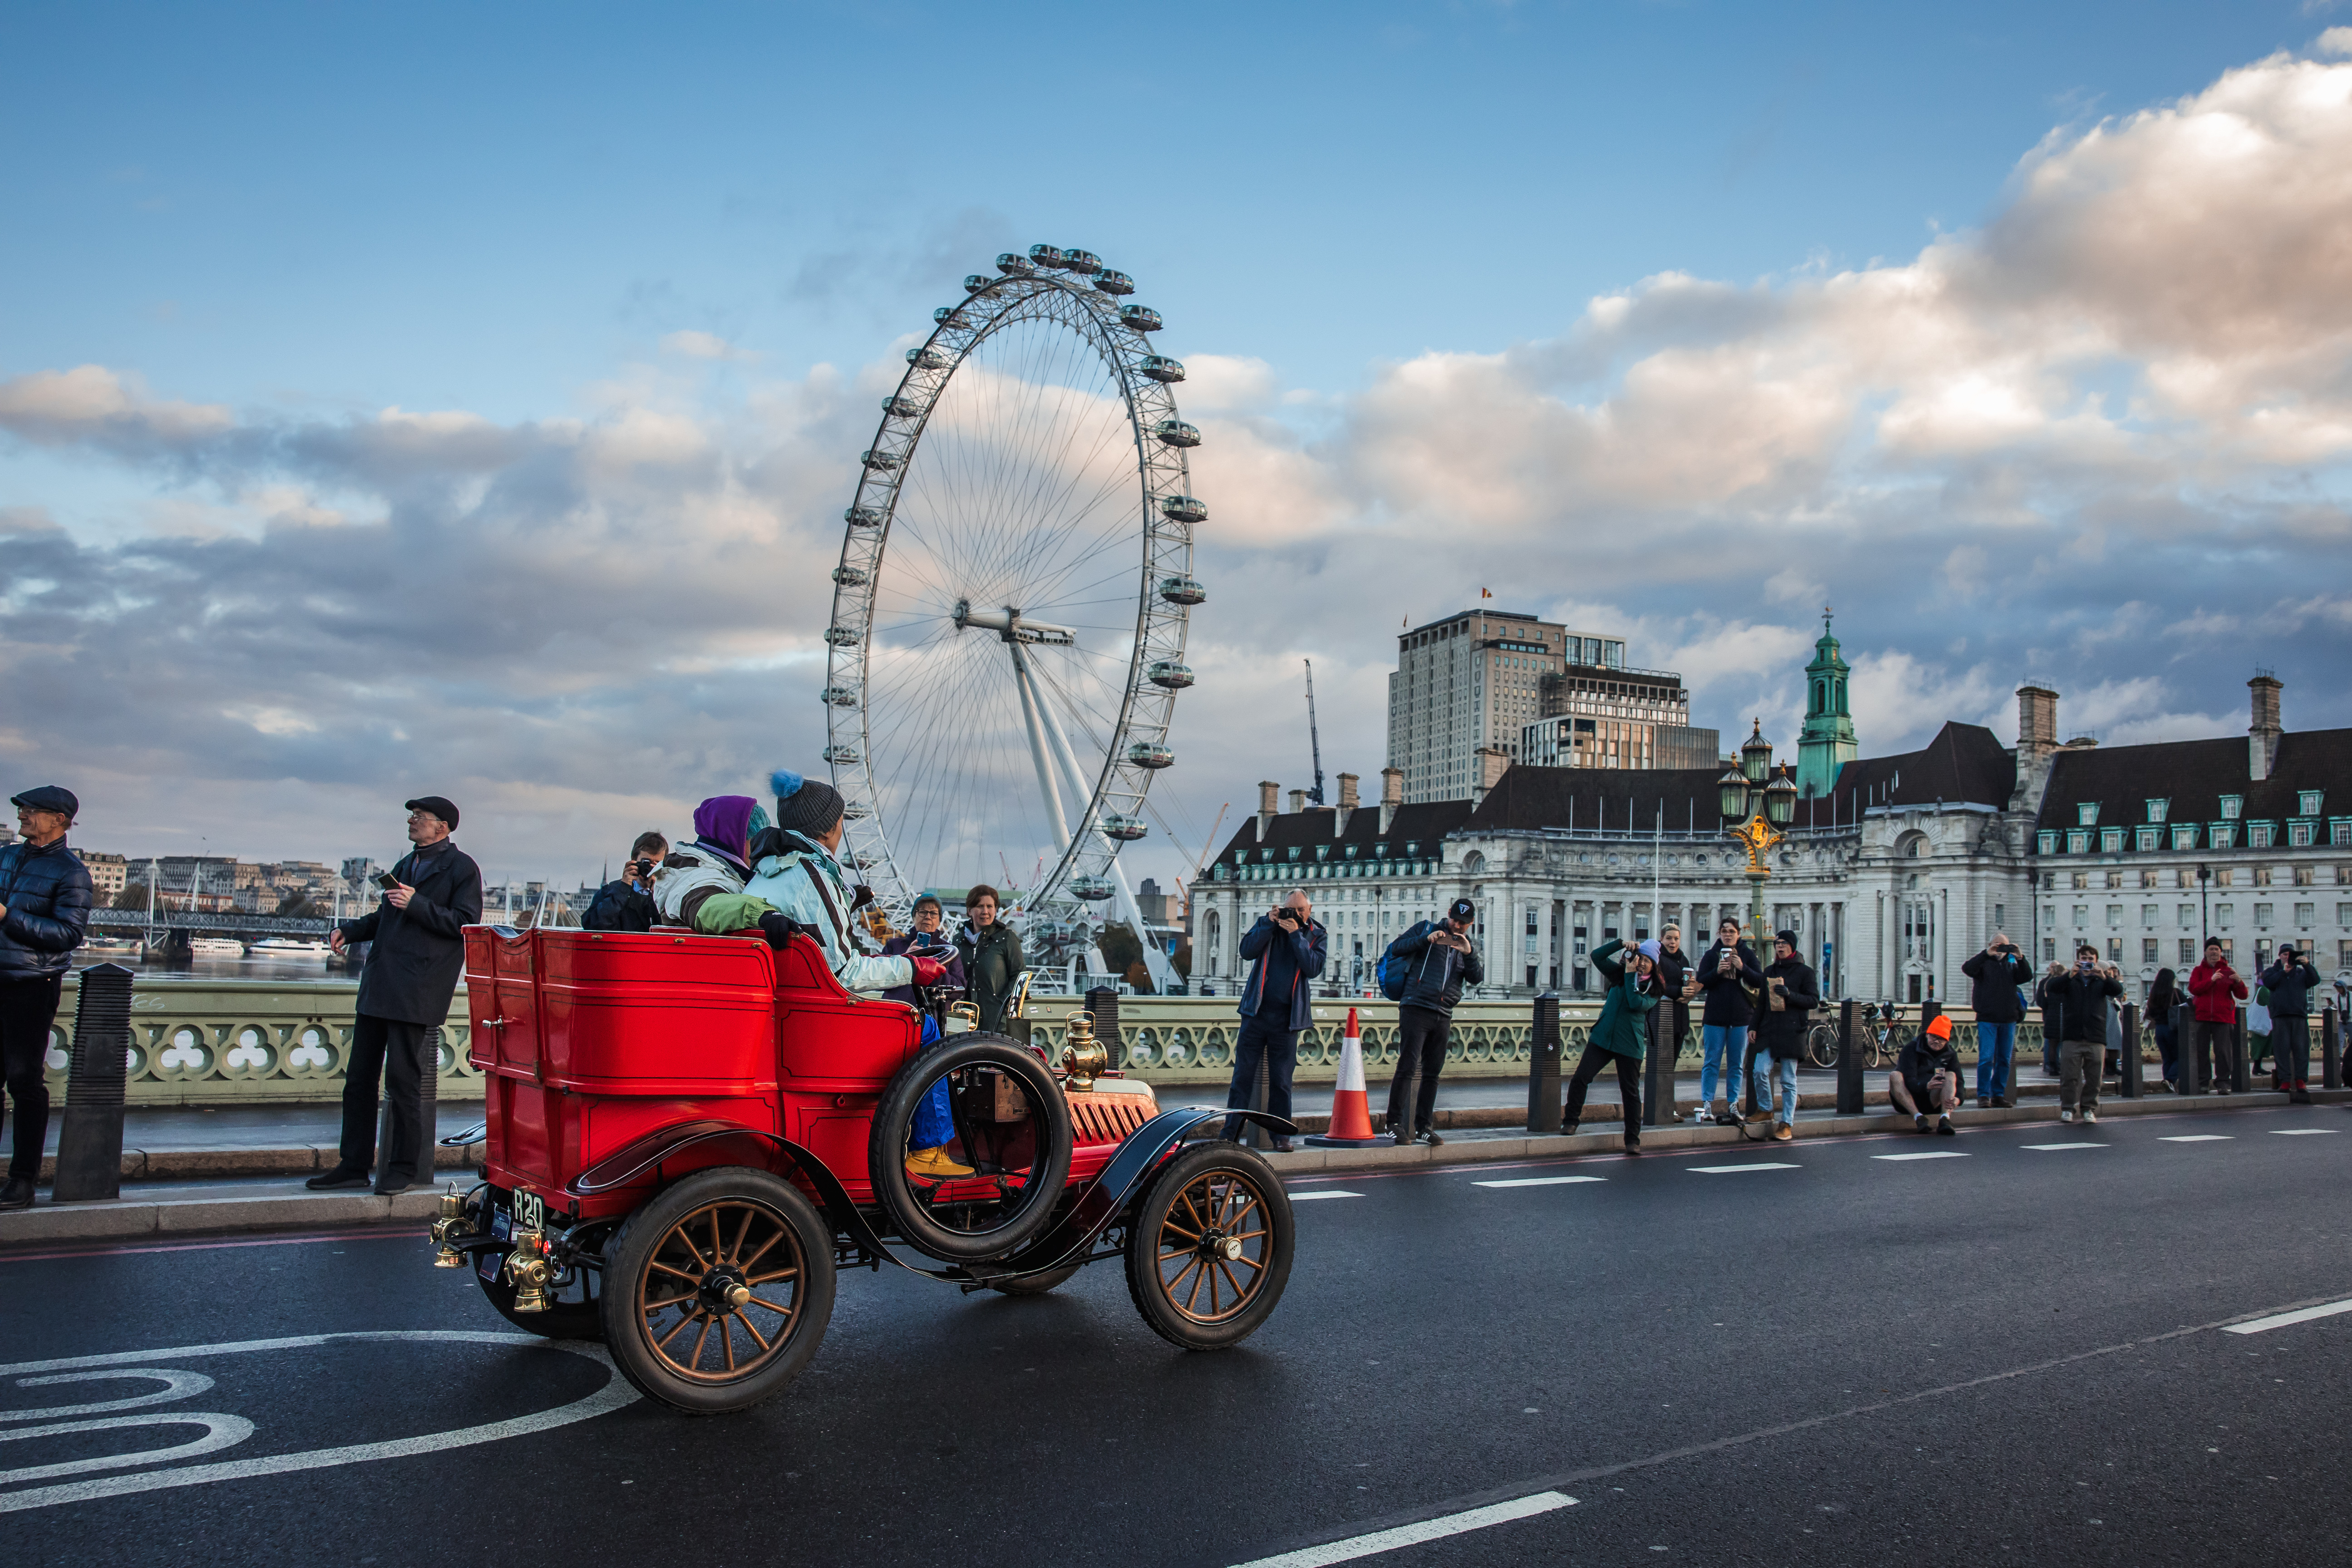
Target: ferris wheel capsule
1112 282
879 461
1013 264
863 517
1143 317
899 407
1183 509
1170 673
948 316
840 697
930 358
975 281
1045 256
1094 889
842 636
1162 369
1126 830
1150 754
840 753
1084 262
1184 591
849 576
1176 432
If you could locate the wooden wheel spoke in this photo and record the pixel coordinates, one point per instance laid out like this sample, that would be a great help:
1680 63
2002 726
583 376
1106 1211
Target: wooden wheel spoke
717 1248
694 1362
662 1343
742 1233
727 1339
658 1263
1224 1269
1172 1285
1197 1218
767 1278
755 1257
1169 1227
1197 1281
1247 1234
692 1251
770 1306
1210 1274
1246 1258
753 1329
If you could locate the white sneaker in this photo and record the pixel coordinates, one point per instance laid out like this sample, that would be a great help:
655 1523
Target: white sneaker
2066 1116
1705 1117
2090 1116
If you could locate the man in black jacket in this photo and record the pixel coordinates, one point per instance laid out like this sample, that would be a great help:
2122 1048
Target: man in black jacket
412 971
1440 959
1926 1077
2291 981
1994 976
2083 996
626 902
1726 973
1791 992
44 898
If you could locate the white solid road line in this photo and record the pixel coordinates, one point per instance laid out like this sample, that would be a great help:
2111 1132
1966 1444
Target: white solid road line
2197 1138
1310 1198
2280 1320
1540 1182
1930 1154
1405 1535
2057 1148
2303 1131
1726 1170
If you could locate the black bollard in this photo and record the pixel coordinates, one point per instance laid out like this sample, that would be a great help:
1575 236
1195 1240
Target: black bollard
1850 1087
2131 1063
2241 1071
2331 1049
2196 1063
1543 1066
1658 1068
1103 1002
90 1145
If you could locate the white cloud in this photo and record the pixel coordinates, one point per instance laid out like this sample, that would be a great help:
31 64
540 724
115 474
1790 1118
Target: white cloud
704 345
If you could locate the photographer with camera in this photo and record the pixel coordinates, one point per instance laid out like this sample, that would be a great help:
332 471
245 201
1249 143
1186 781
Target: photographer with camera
2083 996
1441 962
2290 981
1994 976
2215 989
627 903
1286 950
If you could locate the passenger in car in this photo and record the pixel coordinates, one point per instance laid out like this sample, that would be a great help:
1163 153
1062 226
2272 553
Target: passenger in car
806 884
700 885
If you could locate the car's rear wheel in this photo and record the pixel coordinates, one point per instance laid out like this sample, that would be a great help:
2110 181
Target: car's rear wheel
717 1291
1208 1251
1036 1284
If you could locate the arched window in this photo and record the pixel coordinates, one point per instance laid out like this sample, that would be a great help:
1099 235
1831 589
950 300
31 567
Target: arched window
1473 863
1912 845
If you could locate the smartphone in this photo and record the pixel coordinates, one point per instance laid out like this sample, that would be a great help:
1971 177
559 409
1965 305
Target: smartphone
387 881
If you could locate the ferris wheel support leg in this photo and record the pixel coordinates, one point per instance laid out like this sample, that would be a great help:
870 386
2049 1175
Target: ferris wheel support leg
1155 963
1032 704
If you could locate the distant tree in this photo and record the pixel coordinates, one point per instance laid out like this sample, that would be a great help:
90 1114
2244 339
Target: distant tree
1181 960
299 904
1139 977
1121 949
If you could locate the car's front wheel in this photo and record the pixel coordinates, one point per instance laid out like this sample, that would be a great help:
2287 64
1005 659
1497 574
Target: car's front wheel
1208 1251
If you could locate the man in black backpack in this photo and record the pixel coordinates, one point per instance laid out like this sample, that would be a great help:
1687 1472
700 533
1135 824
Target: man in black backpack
1439 960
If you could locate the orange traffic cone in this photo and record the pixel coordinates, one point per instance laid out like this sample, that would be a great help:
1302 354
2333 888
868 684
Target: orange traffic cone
1351 1117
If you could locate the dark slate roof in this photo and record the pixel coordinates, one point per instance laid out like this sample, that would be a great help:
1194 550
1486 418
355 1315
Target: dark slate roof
2195 774
1426 824
1964 762
1528 799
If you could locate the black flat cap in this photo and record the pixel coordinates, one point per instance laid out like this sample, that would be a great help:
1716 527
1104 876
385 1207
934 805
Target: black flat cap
440 805
48 797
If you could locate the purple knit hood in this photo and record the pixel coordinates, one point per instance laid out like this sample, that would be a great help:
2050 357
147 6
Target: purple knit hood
725 821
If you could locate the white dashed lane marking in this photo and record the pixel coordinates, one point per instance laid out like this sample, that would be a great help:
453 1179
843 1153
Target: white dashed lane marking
2280 1320
2056 1148
2303 1131
2196 1138
1929 1154
1540 1182
1727 1170
1405 1535
1310 1198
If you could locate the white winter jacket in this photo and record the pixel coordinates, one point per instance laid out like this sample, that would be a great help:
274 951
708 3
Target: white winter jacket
807 883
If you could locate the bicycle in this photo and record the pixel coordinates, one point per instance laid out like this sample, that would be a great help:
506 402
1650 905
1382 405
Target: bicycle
1882 1044
1821 1042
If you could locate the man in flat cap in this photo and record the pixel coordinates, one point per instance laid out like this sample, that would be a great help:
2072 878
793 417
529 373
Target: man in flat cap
418 932
44 898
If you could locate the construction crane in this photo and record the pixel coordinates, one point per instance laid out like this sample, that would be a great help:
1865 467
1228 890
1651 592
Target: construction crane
1314 741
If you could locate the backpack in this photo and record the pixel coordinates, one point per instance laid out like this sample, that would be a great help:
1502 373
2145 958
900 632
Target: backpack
1390 972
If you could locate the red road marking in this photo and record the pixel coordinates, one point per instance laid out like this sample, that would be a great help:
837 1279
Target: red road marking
375 1233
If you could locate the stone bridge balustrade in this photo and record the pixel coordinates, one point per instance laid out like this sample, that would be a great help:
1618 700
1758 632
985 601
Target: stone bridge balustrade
230 1042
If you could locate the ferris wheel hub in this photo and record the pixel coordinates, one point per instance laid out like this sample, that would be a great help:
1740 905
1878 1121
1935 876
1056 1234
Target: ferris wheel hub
1008 624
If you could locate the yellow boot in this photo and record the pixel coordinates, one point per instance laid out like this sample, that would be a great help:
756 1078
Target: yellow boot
934 1165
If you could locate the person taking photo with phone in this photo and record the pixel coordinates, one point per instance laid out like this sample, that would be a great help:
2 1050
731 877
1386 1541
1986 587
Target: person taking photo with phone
2215 990
1440 959
1995 977
417 951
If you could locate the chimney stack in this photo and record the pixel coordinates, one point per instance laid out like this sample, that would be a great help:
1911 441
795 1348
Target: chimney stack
1266 792
1492 762
1298 800
2037 743
1348 803
2262 735
1392 795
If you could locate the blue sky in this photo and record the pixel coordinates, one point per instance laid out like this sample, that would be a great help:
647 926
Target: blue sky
303 217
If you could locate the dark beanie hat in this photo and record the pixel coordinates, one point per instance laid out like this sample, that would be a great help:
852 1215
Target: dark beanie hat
1790 938
802 805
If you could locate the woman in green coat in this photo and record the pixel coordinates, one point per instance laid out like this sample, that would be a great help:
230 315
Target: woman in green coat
1620 1036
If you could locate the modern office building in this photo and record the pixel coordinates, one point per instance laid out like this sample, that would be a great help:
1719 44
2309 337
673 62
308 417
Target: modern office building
1489 682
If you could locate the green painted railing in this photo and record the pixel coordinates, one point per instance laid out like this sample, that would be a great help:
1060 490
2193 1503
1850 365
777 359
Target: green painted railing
227 1042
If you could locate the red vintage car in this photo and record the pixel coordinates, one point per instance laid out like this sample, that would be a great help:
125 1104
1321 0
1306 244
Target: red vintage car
688 1136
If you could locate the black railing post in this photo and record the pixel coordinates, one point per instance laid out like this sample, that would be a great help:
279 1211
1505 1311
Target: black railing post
1658 1068
1851 1089
2331 1049
2241 1071
90 1145
2131 1063
1543 1066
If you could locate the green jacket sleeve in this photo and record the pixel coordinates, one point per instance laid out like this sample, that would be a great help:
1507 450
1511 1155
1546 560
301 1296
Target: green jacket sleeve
723 912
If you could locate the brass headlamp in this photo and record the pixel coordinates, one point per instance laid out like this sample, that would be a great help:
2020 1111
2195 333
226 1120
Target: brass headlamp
1084 1058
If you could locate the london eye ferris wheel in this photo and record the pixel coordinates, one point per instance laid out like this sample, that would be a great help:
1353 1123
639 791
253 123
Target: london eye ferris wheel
1010 607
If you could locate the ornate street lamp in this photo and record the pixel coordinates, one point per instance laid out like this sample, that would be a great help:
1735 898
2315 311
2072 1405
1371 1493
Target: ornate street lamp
1762 802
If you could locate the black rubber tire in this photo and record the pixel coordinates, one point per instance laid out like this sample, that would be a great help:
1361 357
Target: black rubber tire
1143 1284
629 1257
885 1149
1036 1284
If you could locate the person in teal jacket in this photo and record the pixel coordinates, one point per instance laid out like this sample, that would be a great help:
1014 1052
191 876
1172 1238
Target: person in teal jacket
1620 1036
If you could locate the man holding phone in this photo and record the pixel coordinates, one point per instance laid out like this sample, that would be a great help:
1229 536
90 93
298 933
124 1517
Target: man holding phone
418 932
1441 959
1994 976
627 903
1285 950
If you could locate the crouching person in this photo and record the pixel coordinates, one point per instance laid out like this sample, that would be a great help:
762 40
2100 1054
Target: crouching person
1926 1079
803 882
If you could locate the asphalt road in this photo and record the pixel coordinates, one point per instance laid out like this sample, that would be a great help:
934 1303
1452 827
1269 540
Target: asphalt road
2014 1356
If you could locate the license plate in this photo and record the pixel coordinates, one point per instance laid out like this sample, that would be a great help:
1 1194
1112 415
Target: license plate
530 1211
